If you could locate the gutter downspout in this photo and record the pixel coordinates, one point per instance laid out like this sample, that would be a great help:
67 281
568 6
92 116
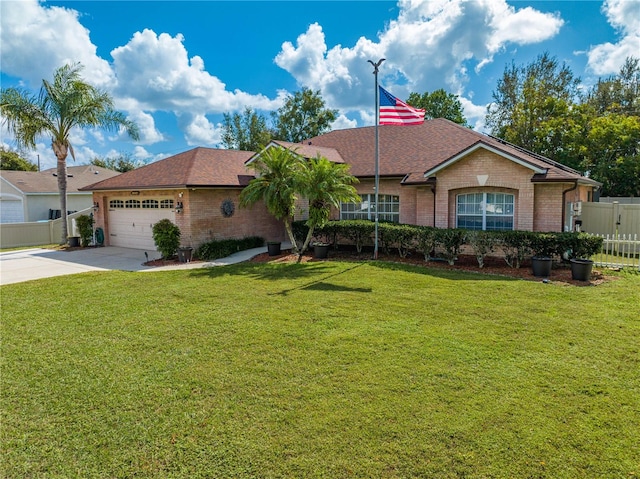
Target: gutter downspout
564 203
433 190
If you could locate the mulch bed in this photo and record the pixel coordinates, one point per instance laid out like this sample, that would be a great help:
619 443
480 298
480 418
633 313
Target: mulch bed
561 274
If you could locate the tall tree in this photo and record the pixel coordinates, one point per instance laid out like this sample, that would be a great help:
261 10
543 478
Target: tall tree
11 160
276 183
439 104
122 163
62 105
528 96
302 116
247 132
618 93
324 184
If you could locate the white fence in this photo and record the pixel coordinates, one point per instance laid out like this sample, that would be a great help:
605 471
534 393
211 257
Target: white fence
619 251
37 233
610 218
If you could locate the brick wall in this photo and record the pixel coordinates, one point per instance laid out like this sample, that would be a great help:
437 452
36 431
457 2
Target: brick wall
484 171
205 220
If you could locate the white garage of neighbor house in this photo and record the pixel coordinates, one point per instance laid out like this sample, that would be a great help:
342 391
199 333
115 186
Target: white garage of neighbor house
28 196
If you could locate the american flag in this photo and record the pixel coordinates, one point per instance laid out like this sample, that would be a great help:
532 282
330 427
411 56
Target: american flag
396 112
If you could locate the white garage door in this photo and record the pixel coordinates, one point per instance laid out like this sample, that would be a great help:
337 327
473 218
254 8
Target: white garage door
11 211
131 221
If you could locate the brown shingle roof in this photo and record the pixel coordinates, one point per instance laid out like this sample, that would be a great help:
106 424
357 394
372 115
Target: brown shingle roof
311 151
46 181
200 167
408 150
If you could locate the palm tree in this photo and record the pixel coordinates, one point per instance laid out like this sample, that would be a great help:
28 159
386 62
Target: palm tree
276 183
67 103
325 184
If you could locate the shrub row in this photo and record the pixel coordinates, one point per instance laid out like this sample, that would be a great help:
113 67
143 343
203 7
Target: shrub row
223 248
514 246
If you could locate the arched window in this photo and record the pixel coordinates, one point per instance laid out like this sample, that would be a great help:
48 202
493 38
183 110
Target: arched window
114 204
132 204
485 211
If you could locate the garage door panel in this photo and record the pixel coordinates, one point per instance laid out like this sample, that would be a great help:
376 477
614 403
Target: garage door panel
11 211
133 228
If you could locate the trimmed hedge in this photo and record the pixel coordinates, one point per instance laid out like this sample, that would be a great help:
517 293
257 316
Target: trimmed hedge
515 246
223 248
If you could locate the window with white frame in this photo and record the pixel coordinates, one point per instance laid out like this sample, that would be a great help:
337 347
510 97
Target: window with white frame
485 211
388 208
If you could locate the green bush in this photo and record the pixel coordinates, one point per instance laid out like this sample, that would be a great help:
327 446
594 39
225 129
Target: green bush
544 245
166 236
223 248
85 227
579 245
516 246
359 232
426 240
482 243
451 240
300 230
402 236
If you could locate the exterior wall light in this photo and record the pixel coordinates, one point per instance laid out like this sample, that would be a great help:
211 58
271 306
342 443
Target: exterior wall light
179 207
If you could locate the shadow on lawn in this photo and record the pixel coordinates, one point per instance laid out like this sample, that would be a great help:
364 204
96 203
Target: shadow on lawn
317 272
444 273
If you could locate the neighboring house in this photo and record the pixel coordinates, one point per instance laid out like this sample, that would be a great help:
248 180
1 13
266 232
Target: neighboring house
436 174
27 196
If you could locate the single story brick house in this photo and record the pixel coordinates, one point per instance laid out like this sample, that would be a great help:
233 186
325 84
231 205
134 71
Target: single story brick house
436 174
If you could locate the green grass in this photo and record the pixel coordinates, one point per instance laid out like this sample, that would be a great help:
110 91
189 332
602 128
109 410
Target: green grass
319 370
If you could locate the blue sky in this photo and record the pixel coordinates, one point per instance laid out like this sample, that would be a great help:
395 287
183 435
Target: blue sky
176 67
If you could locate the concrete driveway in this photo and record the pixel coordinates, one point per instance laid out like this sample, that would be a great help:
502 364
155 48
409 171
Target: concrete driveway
24 265
37 263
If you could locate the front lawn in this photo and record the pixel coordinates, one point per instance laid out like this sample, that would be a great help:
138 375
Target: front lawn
326 369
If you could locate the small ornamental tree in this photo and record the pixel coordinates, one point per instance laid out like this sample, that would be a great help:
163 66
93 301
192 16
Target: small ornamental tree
85 227
277 171
166 236
324 184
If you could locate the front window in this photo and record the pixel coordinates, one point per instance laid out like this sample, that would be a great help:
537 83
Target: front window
485 211
388 208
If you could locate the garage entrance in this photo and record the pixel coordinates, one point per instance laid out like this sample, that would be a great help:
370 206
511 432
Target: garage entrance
131 221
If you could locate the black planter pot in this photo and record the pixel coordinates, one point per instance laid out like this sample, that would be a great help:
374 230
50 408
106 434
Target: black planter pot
74 241
581 269
184 254
541 266
273 247
320 251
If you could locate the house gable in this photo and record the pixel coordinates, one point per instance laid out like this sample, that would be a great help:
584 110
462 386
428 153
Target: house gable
483 146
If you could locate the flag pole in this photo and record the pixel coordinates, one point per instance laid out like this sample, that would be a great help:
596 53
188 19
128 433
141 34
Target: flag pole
377 161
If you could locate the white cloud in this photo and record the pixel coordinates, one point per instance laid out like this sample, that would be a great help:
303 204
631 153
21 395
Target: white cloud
475 114
34 41
146 124
342 123
426 48
200 131
607 58
152 72
155 73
